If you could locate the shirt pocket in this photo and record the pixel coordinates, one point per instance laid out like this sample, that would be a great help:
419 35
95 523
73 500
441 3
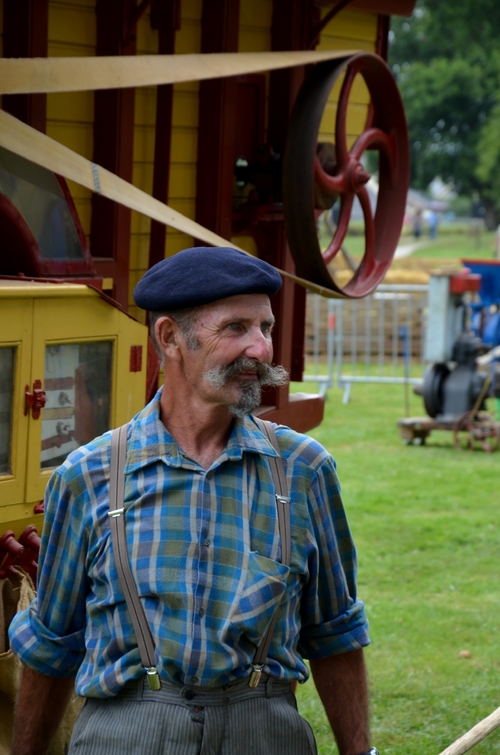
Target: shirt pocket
262 591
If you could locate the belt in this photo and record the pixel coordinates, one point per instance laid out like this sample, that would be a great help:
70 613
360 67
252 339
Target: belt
182 694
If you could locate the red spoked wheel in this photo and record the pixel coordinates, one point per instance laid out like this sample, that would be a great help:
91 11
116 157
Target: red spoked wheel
311 181
476 427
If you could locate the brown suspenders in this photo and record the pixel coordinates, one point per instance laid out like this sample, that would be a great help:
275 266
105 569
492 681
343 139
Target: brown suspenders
142 631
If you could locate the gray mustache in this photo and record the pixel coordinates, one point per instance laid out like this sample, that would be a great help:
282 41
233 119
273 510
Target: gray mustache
272 375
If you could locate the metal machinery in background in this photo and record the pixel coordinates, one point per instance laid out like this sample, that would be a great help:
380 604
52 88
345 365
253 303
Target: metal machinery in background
455 385
485 321
268 181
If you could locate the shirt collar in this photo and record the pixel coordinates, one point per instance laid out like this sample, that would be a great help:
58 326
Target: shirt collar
150 441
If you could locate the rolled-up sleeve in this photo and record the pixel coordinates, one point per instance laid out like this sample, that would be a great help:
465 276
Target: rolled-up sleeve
333 618
49 636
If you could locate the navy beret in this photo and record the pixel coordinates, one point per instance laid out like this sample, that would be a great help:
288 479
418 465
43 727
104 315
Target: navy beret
202 275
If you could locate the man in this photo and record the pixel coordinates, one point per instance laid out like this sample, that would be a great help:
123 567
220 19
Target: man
204 550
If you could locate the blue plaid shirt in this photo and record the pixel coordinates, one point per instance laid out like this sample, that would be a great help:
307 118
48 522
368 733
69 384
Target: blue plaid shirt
204 551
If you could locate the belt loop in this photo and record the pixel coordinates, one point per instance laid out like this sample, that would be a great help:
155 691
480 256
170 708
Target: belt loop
269 686
140 687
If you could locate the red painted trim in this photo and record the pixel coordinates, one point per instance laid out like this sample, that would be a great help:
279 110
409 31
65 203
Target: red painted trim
300 413
16 235
25 32
135 361
385 7
382 45
165 16
257 81
216 121
89 265
113 149
291 30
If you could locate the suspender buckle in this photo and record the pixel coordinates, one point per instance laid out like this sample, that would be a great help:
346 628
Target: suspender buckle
282 498
116 512
153 678
255 675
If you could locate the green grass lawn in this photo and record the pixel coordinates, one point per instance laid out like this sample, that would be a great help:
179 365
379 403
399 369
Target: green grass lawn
454 246
452 242
427 527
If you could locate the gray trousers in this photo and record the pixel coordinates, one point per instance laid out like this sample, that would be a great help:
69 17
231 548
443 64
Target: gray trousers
183 720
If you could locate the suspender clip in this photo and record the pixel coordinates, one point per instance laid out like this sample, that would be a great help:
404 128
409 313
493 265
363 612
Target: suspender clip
255 675
282 498
116 512
153 678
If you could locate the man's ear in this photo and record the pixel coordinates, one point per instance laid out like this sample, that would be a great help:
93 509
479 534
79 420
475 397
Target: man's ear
167 336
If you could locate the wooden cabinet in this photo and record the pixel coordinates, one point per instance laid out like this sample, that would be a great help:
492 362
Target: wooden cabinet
72 365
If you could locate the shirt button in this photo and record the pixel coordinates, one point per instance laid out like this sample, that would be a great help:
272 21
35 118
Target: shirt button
194 680
189 694
201 613
209 475
206 541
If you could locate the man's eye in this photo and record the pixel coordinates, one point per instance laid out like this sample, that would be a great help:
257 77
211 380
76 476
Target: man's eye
234 326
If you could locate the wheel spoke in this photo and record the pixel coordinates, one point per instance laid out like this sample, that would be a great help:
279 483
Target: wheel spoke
328 184
340 233
369 255
375 137
341 125
464 432
361 280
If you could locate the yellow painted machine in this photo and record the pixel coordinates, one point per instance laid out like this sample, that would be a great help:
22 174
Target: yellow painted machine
72 365
149 127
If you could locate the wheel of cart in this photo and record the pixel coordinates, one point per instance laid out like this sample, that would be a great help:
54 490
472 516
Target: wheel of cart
476 427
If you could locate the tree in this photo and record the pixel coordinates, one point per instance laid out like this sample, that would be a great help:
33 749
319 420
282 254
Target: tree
447 65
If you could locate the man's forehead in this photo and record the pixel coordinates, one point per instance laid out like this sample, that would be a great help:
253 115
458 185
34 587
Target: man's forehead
247 306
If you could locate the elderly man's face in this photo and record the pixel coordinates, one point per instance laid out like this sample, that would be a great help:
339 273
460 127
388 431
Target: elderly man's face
234 353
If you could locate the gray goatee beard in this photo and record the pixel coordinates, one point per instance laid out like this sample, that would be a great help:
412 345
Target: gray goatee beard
250 390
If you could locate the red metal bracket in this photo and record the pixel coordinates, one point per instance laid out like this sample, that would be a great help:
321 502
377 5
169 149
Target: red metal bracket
36 400
465 281
29 559
135 358
13 550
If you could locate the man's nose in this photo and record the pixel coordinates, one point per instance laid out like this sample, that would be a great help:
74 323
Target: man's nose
259 347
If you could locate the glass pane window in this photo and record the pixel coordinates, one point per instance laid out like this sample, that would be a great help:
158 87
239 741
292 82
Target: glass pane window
7 363
38 196
78 387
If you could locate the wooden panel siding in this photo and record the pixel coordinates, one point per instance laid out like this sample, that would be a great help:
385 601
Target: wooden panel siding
255 25
70 115
349 30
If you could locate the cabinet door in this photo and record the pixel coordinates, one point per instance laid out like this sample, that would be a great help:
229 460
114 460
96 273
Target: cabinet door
74 357
15 367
